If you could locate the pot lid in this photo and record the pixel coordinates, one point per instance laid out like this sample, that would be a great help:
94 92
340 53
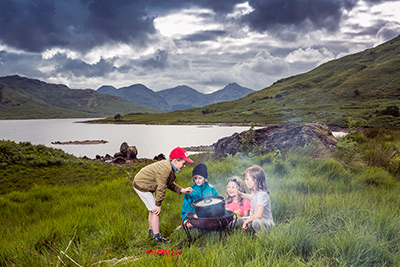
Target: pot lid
208 201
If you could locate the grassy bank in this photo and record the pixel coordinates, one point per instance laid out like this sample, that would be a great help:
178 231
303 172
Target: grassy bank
336 210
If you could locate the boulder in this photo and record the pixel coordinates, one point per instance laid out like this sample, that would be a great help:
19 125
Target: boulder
159 157
279 137
131 152
123 149
119 160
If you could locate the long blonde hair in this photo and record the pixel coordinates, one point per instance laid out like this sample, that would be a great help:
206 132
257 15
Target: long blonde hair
241 188
258 174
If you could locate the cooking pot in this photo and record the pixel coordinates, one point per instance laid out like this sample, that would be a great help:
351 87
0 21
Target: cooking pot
211 224
209 207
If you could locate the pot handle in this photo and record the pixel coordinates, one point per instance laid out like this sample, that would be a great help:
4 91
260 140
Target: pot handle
208 200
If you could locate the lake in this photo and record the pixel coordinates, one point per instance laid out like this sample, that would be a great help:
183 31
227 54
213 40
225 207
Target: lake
150 140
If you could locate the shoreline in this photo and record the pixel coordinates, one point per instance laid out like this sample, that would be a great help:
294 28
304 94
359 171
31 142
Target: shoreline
84 142
210 124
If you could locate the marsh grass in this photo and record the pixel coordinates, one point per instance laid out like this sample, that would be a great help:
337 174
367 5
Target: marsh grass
326 213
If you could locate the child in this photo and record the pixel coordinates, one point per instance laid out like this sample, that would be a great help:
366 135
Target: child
260 212
156 178
233 201
201 188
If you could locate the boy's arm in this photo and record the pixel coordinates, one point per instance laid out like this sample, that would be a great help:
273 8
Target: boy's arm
161 180
174 187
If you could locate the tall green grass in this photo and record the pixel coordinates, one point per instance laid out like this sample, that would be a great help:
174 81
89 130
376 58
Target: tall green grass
327 213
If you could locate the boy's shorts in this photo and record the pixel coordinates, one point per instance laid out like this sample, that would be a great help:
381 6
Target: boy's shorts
148 199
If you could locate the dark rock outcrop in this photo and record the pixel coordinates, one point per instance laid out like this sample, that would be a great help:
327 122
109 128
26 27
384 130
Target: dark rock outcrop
279 136
160 156
126 151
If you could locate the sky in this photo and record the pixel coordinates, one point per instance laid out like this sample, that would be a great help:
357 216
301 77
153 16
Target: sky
204 44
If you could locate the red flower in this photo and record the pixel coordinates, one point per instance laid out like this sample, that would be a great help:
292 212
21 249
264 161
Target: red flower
168 252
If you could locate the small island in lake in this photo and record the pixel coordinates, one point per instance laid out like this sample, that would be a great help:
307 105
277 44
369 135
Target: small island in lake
85 142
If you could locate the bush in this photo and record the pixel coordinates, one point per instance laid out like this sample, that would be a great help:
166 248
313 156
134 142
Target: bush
378 154
376 177
394 167
331 169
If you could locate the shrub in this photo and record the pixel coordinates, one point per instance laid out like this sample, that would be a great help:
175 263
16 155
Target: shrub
331 169
376 177
280 169
394 167
379 154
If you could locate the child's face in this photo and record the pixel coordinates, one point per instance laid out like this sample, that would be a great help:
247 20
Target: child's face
232 189
179 164
250 182
199 180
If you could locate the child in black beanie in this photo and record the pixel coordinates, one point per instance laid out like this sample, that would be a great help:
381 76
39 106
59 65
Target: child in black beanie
201 188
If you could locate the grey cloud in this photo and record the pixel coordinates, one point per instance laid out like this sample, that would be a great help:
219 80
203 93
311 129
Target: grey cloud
159 60
78 68
22 64
309 14
222 7
37 25
204 36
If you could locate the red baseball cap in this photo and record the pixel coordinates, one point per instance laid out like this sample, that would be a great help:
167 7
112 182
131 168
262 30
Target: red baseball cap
180 153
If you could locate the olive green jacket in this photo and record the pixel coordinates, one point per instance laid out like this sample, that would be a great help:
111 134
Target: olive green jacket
157 177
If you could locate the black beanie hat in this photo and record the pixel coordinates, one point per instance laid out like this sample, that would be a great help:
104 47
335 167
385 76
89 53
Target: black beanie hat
200 169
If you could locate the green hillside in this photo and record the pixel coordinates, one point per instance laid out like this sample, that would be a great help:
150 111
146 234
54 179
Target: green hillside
362 87
23 98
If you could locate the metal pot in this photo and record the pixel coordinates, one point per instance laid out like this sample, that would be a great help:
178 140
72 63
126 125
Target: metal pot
209 207
211 224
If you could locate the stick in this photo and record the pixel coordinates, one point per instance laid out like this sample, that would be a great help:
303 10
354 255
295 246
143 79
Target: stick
117 260
69 244
71 259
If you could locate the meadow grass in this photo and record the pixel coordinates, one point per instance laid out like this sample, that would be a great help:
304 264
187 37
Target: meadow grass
327 213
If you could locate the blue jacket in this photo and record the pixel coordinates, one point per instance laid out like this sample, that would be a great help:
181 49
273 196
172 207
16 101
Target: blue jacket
205 190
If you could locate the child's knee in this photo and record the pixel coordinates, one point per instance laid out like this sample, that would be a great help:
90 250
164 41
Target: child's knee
259 224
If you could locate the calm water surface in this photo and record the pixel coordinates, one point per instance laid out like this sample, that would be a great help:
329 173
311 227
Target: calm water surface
150 140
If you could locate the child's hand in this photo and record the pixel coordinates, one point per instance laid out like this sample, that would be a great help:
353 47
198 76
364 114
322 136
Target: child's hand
244 226
188 224
187 190
157 210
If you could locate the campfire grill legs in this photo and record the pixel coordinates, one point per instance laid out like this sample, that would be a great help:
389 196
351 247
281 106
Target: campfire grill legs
223 227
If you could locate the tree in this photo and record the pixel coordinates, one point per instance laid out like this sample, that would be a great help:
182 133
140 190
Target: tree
118 117
391 110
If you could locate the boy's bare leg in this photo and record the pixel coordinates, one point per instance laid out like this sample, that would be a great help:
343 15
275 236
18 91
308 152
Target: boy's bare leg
155 223
149 220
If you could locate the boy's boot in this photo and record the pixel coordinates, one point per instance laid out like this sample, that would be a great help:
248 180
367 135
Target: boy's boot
159 239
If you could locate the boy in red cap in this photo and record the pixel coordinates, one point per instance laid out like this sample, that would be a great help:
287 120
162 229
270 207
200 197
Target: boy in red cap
156 178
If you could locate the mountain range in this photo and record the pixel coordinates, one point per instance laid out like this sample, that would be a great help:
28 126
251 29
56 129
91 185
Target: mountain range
177 98
24 98
361 89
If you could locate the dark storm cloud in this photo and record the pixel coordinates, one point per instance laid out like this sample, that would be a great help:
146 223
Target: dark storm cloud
78 68
204 36
37 25
11 63
222 6
158 61
309 14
